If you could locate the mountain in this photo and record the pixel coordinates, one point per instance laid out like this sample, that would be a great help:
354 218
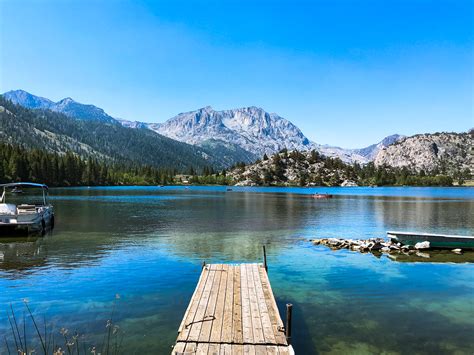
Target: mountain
361 156
225 137
346 155
67 106
254 131
222 150
108 141
311 168
443 152
250 128
371 151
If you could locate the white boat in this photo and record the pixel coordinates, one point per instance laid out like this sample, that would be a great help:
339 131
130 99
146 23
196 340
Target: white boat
30 212
445 241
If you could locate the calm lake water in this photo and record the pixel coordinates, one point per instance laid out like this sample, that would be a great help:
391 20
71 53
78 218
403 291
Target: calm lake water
147 245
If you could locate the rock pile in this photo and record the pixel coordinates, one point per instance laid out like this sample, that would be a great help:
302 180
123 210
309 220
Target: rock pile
379 245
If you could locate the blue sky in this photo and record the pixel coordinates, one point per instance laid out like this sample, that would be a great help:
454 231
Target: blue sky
346 72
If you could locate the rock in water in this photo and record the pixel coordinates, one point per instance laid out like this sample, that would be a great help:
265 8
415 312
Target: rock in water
422 245
375 246
423 255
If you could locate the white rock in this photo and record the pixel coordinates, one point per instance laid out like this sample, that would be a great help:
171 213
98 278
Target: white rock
349 183
422 245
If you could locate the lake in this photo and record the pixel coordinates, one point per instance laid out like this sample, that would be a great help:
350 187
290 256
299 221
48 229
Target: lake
147 244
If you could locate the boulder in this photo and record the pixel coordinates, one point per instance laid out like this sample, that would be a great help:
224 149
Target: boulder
422 245
349 183
376 246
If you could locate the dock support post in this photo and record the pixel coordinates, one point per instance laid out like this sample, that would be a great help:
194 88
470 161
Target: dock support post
265 259
203 264
289 309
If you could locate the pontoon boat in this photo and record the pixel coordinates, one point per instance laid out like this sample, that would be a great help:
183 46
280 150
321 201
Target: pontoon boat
30 212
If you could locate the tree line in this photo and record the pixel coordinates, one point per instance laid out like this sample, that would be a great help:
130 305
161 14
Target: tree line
333 171
19 164
69 169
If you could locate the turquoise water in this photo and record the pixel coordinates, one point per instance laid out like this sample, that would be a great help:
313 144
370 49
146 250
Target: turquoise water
147 244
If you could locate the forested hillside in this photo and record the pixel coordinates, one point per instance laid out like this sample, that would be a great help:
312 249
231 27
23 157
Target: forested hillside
313 169
104 141
19 164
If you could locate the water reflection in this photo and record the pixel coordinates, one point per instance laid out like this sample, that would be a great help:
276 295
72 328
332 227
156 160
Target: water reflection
22 253
147 244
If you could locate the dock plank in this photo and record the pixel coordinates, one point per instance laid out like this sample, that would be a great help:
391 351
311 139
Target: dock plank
268 330
247 331
257 327
249 349
190 348
217 323
237 331
276 321
200 315
192 307
214 349
210 316
227 321
232 311
202 348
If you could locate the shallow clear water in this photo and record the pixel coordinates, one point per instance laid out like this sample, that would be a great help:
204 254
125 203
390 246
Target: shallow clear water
147 244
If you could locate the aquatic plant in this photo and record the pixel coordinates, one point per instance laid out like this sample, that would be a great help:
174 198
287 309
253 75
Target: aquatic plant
28 337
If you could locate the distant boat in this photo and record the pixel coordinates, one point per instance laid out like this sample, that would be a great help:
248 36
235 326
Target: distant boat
17 190
442 241
321 196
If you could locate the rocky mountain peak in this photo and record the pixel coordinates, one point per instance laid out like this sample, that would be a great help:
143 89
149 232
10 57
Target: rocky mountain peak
251 128
66 101
25 99
444 152
66 106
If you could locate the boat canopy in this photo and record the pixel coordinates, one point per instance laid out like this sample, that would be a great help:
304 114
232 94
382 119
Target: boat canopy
24 184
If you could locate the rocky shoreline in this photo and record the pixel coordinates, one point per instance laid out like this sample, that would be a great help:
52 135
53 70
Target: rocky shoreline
376 245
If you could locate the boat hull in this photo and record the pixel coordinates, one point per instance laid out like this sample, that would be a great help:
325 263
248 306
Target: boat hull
30 223
440 241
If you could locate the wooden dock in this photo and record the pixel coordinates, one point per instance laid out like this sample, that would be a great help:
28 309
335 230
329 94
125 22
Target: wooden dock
232 311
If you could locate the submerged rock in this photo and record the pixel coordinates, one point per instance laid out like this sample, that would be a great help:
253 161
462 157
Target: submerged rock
423 255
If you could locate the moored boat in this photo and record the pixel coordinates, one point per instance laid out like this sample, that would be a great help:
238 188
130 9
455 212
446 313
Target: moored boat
442 241
33 213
